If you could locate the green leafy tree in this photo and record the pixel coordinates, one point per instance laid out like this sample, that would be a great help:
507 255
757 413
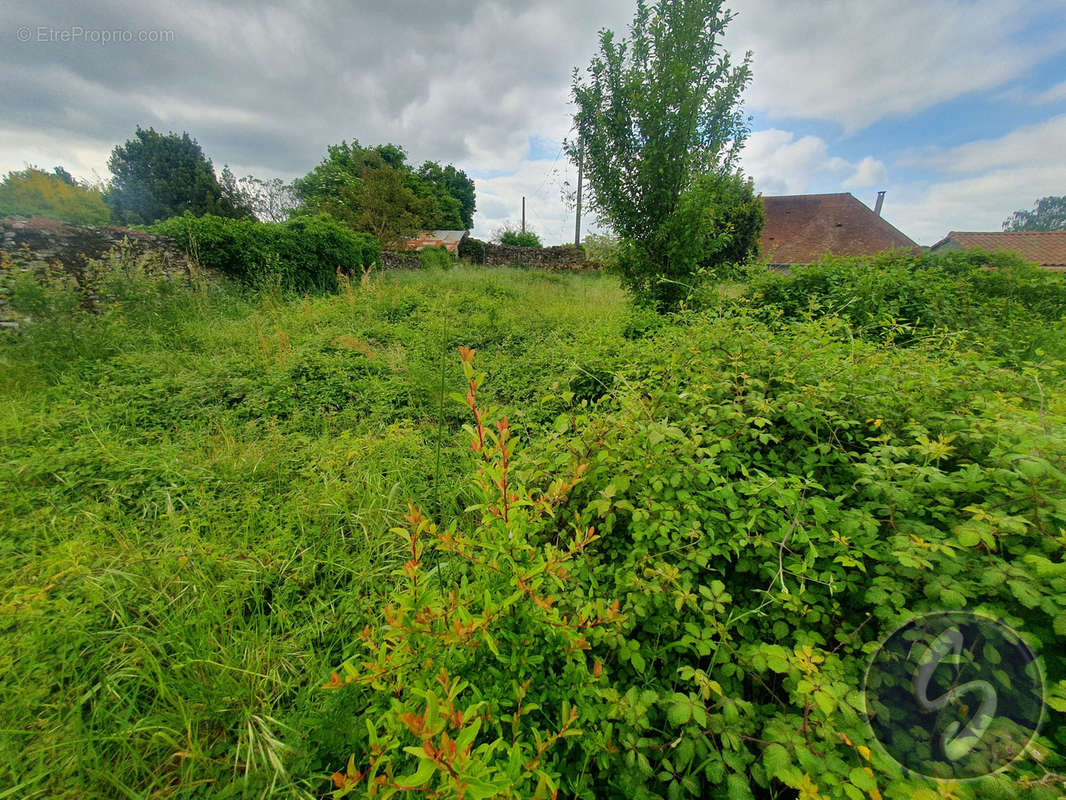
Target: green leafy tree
520 239
157 176
237 194
388 209
716 224
447 181
361 187
374 190
33 192
508 235
655 112
64 176
1048 214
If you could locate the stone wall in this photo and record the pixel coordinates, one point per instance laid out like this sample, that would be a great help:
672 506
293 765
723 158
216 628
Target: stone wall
400 260
549 258
562 257
58 252
39 240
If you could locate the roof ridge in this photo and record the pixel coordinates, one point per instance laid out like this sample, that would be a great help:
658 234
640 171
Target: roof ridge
1004 233
823 194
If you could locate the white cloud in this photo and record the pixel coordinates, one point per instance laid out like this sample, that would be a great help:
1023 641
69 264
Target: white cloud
543 183
987 180
1042 143
978 203
973 186
782 164
471 81
1056 94
856 62
869 172
84 158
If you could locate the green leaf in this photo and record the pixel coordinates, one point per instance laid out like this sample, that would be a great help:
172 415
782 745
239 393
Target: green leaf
637 660
737 788
863 779
1059 624
777 658
477 789
468 734
425 771
968 537
952 598
1025 593
825 701
776 759
680 712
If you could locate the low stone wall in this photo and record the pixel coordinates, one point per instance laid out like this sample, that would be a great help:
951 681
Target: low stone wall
400 260
39 240
549 258
56 251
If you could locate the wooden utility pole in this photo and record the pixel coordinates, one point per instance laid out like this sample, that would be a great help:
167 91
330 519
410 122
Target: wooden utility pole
577 221
523 213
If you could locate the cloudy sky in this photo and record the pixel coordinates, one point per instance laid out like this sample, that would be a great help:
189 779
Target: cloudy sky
956 107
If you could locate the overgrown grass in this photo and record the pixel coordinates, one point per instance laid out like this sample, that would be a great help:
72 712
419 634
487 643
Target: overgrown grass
199 486
198 489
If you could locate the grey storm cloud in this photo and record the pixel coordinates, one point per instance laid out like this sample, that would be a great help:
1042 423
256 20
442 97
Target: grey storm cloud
269 85
266 86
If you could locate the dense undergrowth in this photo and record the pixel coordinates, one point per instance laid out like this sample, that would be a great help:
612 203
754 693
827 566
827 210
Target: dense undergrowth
991 302
661 576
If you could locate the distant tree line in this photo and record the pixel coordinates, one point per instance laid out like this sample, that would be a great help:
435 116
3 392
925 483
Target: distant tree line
158 176
33 192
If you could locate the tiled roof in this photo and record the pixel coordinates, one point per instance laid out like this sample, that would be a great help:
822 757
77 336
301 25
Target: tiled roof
449 239
1046 248
802 228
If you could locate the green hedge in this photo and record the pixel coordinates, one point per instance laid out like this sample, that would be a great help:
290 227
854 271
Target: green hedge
765 504
994 302
302 254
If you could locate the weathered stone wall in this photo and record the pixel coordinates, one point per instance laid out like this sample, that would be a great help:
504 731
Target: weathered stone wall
58 252
400 260
39 240
549 258
563 257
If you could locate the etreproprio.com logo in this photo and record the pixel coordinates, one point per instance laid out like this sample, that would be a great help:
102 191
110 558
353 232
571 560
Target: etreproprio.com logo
954 695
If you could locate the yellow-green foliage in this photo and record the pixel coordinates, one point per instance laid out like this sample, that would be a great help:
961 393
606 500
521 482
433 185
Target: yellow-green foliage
32 192
655 569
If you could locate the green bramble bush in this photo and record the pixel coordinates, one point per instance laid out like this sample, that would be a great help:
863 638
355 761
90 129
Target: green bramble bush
993 301
302 254
761 528
766 521
602 248
435 258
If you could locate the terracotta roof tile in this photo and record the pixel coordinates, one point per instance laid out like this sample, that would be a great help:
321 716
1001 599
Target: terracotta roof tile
800 229
1046 248
449 239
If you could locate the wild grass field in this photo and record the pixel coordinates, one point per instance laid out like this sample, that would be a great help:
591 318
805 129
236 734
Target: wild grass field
200 486
198 491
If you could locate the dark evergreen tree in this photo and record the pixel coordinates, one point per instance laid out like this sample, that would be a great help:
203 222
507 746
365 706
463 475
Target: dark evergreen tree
157 176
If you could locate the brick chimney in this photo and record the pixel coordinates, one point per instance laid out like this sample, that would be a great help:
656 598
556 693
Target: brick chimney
880 203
